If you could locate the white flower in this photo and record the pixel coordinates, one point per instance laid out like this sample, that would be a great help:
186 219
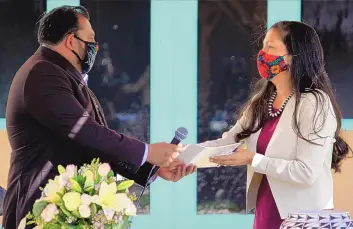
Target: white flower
95 199
62 180
38 227
84 211
104 169
49 212
131 209
86 199
51 191
22 224
122 201
119 178
108 213
70 171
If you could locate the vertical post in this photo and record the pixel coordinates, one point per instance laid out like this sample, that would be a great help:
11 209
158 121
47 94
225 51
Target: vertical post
173 104
173 99
51 4
280 10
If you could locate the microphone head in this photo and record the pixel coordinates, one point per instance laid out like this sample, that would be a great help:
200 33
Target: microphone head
181 133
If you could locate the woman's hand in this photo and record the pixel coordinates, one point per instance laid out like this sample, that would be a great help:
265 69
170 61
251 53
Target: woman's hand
240 157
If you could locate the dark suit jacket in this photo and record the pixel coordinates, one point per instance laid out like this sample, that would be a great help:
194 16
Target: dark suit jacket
52 118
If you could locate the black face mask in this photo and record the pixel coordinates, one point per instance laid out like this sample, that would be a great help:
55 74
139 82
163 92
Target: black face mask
91 53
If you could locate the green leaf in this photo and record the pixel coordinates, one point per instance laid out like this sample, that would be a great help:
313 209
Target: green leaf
83 225
52 226
60 194
67 226
108 226
76 213
88 189
61 169
76 186
125 185
38 207
81 180
115 226
126 218
110 174
98 178
125 224
31 221
65 211
93 208
29 216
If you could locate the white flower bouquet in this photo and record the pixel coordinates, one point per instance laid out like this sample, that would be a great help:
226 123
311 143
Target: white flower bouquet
91 197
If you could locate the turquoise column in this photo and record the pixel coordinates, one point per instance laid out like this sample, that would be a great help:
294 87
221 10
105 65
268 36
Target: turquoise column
173 104
283 10
347 124
2 124
51 4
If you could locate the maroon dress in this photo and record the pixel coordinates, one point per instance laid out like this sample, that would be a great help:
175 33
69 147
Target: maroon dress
266 212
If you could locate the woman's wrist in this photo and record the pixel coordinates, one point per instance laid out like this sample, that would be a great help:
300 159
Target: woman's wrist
251 157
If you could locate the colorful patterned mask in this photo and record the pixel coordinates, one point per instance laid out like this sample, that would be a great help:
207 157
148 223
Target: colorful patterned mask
269 65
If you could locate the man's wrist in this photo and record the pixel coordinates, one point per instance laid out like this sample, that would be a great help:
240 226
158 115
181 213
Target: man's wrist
145 156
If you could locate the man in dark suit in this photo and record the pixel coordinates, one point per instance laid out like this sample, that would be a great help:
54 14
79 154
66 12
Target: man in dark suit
54 118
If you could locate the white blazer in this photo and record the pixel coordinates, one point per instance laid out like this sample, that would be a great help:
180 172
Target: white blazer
298 172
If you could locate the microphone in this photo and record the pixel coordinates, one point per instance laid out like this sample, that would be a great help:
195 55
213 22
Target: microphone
180 134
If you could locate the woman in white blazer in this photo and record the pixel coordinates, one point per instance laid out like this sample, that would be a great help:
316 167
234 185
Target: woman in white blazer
291 128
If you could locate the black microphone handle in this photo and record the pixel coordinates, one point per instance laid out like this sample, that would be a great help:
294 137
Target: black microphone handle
154 170
175 141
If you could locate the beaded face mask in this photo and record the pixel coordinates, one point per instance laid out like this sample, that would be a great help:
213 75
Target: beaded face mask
270 66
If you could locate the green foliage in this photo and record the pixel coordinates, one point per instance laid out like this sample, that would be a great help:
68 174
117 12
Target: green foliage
70 183
125 185
38 208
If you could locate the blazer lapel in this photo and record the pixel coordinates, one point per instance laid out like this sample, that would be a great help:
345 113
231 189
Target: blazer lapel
279 135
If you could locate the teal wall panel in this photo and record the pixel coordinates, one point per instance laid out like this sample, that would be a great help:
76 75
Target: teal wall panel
51 4
173 104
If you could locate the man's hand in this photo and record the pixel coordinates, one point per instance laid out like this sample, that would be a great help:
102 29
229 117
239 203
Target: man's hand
175 173
162 154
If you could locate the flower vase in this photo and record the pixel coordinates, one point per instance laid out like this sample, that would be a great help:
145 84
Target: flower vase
325 219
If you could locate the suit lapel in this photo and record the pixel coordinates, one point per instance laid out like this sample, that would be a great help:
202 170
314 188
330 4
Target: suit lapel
97 108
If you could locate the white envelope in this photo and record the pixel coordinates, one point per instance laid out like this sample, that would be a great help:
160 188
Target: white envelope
199 155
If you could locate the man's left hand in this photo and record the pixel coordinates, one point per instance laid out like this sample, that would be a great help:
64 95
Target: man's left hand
175 173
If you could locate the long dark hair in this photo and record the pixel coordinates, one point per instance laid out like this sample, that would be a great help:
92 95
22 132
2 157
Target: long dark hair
309 76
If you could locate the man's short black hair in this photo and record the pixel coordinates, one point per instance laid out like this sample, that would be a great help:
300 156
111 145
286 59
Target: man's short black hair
59 22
